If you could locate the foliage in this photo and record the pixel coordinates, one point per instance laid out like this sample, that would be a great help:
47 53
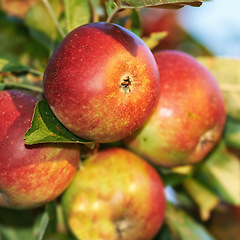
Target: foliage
202 186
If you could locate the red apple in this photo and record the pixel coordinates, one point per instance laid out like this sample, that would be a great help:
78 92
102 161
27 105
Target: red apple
189 117
30 176
115 195
158 20
102 82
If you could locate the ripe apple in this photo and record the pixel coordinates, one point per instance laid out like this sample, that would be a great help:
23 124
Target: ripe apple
101 82
115 195
30 176
158 20
189 117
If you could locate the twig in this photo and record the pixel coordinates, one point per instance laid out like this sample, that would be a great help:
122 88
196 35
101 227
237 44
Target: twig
23 85
113 14
49 8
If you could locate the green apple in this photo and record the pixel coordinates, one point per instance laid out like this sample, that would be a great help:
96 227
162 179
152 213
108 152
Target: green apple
101 82
189 117
115 195
30 176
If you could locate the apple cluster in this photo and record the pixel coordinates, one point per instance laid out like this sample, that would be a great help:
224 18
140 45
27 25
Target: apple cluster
105 85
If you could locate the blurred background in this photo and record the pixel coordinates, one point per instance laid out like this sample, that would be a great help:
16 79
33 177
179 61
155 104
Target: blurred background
216 24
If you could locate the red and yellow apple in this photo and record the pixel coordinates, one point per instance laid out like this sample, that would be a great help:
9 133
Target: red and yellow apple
189 117
101 82
115 195
30 176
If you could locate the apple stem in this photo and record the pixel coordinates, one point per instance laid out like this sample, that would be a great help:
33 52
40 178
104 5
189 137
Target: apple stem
111 16
49 8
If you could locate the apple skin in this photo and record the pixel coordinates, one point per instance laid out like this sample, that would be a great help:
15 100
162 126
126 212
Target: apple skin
115 195
189 117
30 176
101 82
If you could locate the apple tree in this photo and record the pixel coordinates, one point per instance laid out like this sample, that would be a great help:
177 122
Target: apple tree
201 196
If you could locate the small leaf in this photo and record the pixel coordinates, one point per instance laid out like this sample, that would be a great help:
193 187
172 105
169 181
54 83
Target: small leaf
232 133
153 40
220 172
135 22
159 3
77 13
227 73
47 128
183 226
7 66
205 198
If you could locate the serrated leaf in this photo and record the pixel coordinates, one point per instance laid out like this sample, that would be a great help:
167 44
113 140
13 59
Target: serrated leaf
77 13
153 40
159 3
205 198
183 226
45 127
227 73
220 172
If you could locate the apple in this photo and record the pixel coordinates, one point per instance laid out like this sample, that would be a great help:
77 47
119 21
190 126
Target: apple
30 176
102 82
115 195
189 117
158 20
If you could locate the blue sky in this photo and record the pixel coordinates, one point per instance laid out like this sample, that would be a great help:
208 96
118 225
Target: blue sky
216 24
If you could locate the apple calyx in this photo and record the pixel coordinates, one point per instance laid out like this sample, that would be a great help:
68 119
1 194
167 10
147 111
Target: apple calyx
207 137
121 226
126 83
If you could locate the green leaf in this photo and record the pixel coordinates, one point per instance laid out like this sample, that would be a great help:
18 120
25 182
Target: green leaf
41 24
135 22
8 66
205 198
16 224
47 128
165 233
220 172
183 226
158 3
2 86
226 72
111 7
232 133
51 209
45 218
153 40
77 13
